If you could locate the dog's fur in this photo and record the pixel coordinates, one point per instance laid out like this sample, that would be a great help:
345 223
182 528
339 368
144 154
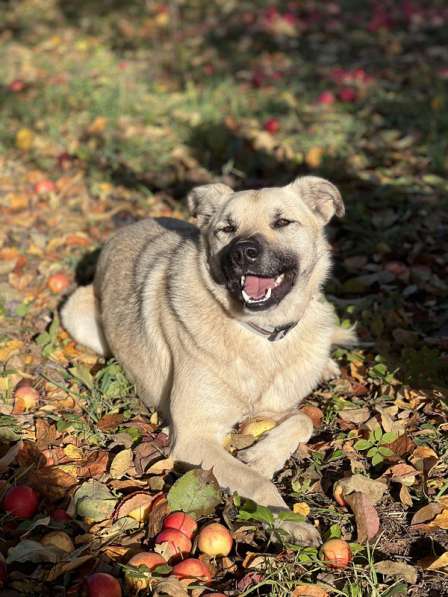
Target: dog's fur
165 304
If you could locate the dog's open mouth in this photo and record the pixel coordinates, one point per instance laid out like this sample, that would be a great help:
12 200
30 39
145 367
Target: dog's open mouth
260 292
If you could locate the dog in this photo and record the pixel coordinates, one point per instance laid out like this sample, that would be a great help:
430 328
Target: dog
221 322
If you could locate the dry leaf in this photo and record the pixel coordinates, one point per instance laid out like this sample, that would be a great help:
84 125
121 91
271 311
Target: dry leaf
440 562
121 464
441 520
367 520
359 483
301 508
426 513
354 415
400 569
64 567
309 591
10 456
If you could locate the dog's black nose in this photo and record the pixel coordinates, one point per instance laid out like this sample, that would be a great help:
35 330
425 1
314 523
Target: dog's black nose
245 252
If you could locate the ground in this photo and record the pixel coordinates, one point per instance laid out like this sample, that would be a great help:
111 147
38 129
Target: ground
110 115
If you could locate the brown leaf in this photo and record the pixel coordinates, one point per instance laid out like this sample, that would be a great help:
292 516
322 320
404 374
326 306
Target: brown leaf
359 483
159 510
426 513
137 505
400 569
63 567
46 434
10 456
401 446
309 591
405 496
146 454
170 587
94 465
110 422
367 520
354 415
441 520
440 562
52 482
424 458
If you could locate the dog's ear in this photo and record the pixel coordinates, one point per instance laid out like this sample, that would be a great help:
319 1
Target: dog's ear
320 195
203 201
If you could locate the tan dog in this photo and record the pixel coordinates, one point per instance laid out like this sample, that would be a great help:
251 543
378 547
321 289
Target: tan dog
223 322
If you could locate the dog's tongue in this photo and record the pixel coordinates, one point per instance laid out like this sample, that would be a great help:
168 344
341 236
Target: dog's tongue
256 287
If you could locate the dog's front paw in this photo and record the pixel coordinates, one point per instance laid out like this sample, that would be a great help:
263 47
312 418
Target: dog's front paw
303 533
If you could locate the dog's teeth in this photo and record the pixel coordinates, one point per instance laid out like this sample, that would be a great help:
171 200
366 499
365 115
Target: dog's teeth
279 279
268 294
243 280
246 297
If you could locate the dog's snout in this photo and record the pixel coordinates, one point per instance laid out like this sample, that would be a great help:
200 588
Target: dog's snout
245 252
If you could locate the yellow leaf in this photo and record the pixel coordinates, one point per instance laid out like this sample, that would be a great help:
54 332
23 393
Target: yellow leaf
72 452
10 348
441 562
313 157
301 508
441 520
24 139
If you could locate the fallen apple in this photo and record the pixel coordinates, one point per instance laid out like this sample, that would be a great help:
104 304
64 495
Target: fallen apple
272 125
101 584
179 542
215 540
192 570
17 85
141 579
21 501
60 540
44 186
257 427
184 523
25 398
336 553
60 515
58 282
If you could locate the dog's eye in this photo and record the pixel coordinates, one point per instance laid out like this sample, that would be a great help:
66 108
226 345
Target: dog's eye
281 223
228 229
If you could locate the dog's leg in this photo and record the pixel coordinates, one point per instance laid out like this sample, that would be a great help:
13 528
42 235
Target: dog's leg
270 454
233 475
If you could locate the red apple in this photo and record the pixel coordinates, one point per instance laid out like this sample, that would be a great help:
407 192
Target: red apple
148 559
182 522
192 570
44 186
336 553
58 282
326 98
21 501
348 95
60 515
272 125
17 85
215 540
101 584
180 543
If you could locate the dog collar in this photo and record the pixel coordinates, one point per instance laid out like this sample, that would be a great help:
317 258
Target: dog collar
271 334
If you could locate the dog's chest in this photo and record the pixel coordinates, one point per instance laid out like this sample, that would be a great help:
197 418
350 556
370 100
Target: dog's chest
278 380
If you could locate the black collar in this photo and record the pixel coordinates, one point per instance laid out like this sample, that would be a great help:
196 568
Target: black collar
271 334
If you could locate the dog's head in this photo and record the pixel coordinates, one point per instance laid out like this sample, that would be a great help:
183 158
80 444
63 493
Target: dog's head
266 249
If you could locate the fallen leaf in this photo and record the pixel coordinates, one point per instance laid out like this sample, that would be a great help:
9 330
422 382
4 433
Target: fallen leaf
10 456
136 505
301 508
374 489
64 567
441 520
355 415
33 551
309 591
440 562
197 493
367 520
94 501
121 464
170 587
426 513
400 569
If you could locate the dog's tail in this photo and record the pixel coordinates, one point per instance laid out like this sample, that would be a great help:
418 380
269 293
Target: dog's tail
344 336
81 319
